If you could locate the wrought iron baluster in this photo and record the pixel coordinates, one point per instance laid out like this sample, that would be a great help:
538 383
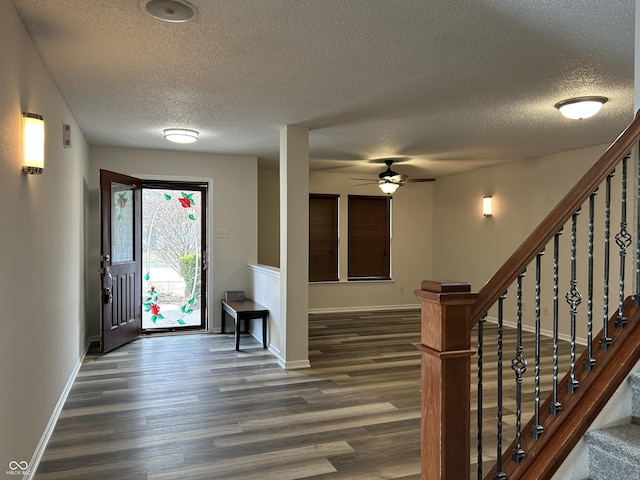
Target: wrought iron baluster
480 391
623 240
500 475
519 367
589 362
605 340
537 430
555 406
573 298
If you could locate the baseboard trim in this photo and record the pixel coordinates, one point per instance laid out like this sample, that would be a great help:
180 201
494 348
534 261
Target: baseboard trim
297 364
288 365
543 332
276 353
48 431
365 308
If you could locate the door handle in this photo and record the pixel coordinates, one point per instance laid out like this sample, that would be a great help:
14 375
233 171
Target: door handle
107 296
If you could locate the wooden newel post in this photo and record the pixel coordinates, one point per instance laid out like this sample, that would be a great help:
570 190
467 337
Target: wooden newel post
446 365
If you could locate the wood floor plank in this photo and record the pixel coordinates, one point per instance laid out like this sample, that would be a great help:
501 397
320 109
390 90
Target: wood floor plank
192 407
253 464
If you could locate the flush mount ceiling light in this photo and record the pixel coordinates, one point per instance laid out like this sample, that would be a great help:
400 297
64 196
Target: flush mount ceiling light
580 107
169 10
181 135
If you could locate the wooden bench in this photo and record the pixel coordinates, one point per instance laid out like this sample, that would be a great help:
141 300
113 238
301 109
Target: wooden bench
240 308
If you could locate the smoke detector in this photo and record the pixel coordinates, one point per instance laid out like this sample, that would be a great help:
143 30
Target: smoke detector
170 10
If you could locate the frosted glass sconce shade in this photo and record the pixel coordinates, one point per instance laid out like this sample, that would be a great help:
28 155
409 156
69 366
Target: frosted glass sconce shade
32 143
487 206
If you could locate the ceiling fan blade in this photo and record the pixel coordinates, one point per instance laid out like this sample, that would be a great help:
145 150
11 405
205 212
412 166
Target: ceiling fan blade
368 183
410 180
389 176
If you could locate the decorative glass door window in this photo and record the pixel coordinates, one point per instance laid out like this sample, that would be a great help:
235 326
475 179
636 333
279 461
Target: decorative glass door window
121 223
172 257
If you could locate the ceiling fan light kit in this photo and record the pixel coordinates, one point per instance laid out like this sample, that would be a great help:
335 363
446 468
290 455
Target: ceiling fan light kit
581 107
389 181
388 187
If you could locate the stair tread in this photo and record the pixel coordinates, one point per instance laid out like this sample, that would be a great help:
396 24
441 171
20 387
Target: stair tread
623 440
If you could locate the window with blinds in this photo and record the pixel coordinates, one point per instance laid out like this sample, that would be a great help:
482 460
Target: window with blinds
323 238
369 248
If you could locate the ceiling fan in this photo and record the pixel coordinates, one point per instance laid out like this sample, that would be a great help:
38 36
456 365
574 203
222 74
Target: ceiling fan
389 181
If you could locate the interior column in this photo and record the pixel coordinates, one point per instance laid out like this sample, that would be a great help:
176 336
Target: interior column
294 245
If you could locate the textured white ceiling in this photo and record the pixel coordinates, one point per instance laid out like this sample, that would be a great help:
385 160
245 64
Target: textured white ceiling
446 85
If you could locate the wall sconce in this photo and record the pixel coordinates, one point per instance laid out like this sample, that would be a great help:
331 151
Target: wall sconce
487 206
32 143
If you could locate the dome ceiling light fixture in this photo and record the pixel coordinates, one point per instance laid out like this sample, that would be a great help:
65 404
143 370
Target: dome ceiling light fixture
181 135
581 107
174 11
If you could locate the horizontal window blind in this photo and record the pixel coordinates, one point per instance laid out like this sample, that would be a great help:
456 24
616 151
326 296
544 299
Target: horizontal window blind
323 238
369 238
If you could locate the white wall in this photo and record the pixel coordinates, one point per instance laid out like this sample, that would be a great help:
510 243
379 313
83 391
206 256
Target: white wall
42 260
412 248
411 254
232 193
471 247
43 239
269 217
440 233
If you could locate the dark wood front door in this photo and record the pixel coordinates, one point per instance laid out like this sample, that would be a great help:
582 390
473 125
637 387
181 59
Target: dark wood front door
121 254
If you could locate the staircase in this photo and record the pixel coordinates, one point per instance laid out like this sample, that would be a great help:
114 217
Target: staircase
580 260
614 452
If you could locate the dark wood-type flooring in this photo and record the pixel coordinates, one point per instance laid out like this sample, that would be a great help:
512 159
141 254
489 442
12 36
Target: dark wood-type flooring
191 407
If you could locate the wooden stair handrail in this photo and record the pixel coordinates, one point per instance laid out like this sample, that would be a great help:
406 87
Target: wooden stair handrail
449 312
553 222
